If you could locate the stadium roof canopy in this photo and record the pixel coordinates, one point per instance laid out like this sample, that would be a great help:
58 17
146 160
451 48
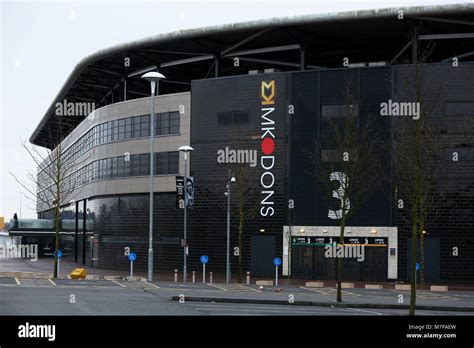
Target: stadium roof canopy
291 43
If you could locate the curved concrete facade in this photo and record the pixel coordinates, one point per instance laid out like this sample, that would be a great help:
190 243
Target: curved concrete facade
179 102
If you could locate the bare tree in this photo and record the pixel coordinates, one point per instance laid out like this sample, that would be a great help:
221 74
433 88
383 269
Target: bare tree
245 210
289 235
417 147
53 186
243 204
347 157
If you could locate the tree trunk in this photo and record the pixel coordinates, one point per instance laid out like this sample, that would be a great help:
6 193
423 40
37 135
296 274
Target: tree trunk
422 256
56 244
290 233
340 260
414 234
289 255
241 227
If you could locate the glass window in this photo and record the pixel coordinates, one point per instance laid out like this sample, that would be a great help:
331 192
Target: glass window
95 171
173 163
174 122
128 127
108 169
136 127
165 123
103 134
115 130
144 164
126 171
113 171
99 169
120 166
121 129
104 168
109 130
162 163
144 126
156 124
135 164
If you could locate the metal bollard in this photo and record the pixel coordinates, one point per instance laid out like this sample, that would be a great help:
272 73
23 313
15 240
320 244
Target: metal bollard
210 277
194 276
175 275
248 278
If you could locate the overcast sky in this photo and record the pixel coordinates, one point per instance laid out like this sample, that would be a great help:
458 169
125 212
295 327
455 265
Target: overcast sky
41 42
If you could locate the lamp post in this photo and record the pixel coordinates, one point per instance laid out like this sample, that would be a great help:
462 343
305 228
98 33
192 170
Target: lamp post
227 193
185 150
154 77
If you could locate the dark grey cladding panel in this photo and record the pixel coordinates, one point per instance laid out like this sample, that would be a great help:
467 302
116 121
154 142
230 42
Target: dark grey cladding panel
213 96
311 90
451 218
304 132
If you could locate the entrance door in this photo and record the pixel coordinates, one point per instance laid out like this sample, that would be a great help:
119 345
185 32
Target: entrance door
263 253
311 263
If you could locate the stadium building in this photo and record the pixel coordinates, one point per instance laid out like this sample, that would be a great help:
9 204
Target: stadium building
253 97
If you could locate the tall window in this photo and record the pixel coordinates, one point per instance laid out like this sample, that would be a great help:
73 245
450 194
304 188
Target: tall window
167 123
145 126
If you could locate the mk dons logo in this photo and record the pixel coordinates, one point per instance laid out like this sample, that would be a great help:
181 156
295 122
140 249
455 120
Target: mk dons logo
267 160
268 93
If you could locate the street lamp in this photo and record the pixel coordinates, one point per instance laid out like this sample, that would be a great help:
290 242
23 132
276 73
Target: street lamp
154 77
227 193
185 150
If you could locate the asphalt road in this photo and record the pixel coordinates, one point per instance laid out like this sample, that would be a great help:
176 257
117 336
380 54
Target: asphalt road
69 297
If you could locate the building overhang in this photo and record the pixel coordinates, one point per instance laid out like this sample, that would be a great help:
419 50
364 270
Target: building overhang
319 41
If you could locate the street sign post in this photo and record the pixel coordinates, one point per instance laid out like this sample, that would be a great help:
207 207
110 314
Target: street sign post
204 259
276 262
132 257
60 255
416 273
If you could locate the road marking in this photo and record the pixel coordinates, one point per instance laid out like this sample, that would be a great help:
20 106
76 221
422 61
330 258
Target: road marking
51 281
17 281
260 310
361 310
186 289
123 286
314 290
156 286
248 287
218 287
330 291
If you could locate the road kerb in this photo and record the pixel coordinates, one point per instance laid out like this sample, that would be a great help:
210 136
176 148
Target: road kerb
323 304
